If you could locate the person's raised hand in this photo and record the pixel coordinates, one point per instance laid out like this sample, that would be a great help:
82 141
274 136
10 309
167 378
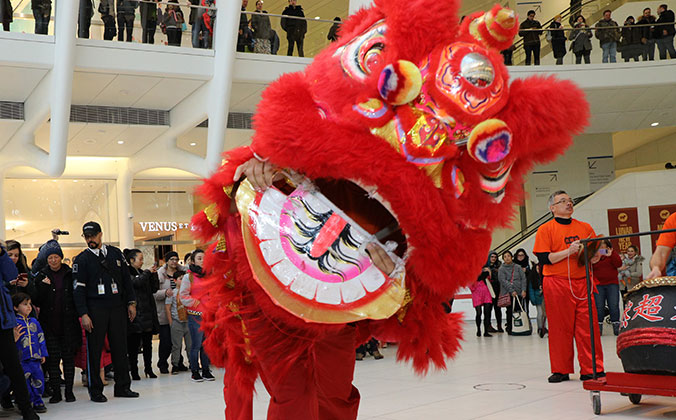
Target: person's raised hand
260 174
654 273
380 258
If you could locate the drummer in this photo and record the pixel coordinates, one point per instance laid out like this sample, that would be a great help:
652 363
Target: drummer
557 245
665 243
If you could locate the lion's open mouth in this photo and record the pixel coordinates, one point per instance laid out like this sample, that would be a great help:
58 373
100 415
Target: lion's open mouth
307 248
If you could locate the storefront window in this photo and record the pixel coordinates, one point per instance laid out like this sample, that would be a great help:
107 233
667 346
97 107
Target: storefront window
33 207
162 213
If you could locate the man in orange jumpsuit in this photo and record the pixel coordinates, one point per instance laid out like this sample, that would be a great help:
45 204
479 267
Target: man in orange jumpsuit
665 243
557 245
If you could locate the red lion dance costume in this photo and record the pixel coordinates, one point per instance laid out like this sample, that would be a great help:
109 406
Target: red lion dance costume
409 126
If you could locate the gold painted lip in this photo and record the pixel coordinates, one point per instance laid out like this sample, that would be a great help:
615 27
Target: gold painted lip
656 282
381 307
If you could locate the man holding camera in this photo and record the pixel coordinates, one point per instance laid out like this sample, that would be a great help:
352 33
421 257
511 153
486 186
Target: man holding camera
104 299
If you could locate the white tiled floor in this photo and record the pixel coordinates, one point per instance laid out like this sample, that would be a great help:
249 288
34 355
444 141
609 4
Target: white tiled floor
391 391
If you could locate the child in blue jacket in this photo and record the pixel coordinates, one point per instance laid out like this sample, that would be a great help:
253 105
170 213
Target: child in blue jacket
30 341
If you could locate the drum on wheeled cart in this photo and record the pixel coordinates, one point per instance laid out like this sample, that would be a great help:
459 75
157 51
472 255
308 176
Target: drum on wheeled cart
647 340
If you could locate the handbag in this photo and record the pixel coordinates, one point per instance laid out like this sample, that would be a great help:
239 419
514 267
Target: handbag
520 322
505 300
490 289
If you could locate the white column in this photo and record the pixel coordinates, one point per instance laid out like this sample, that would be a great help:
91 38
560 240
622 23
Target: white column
358 4
65 25
125 214
225 42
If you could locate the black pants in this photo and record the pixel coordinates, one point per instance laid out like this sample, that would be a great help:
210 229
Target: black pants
134 341
113 323
125 20
84 22
486 307
60 349
149 25
298 40
174 37
164 350
532 49
5 25
586 54
108 27
510 311
9 357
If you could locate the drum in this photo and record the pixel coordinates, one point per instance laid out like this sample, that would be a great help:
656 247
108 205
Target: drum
647 340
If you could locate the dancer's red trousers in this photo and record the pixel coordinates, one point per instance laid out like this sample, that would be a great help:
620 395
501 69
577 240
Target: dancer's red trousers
318 386
568 314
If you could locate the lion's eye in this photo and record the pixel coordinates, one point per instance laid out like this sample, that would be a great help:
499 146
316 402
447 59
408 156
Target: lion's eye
477 69
362 55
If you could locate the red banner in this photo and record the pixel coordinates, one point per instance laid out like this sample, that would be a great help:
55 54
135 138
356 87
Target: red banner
623 222
659 215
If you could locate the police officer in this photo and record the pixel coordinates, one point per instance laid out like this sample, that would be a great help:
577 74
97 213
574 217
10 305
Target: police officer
104 298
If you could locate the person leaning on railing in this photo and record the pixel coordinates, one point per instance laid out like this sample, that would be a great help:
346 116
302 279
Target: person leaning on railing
630 44
608 34
260 25
580 39
664 33
647 37
531 38
557 38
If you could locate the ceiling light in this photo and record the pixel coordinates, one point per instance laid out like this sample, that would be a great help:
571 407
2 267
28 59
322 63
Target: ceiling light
120 142
75 180
317 17
655 124
34 180
90 141
193 144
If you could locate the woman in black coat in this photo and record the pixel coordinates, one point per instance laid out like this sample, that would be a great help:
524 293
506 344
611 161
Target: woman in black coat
58 318
146 323
558 39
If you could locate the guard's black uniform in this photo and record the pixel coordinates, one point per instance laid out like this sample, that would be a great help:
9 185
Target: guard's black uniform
103 290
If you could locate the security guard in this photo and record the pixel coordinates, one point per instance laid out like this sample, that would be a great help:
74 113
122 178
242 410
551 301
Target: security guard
104 298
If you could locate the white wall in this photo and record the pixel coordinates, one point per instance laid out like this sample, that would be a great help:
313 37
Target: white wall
638 189
656 153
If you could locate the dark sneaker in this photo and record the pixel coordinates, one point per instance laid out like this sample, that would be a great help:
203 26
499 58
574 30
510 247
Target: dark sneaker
174 370
196 377
206 374
70 397
616 328
29 414
589 376
360 356
98 398
182 368
40 408
558 377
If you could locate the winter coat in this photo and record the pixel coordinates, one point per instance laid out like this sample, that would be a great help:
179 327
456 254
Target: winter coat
8 273
534 279
165 282
530 37
333 32
126 7
45 299
7 12
294 27
173 17
260 25
609 31
107 7
635 270
647 31
665 17
274 42
31 344
630 45
145 284
558 40
512 279
581 40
